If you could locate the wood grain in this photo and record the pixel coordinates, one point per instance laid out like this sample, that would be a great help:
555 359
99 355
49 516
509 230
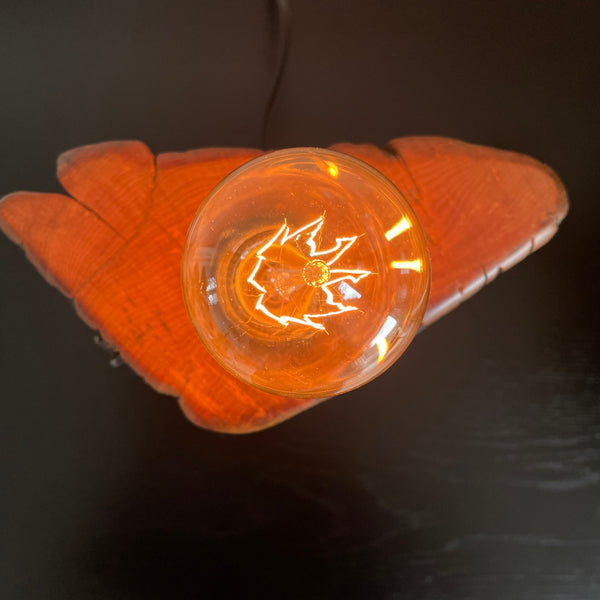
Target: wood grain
114 246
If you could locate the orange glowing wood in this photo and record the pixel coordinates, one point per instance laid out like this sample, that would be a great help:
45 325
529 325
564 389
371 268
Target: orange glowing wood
114 245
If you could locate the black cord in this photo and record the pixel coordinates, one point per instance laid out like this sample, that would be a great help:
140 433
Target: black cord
283 14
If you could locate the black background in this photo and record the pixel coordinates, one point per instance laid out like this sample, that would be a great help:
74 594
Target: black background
471 469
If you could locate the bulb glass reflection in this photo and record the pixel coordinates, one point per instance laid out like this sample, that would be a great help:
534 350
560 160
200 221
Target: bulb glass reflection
306 273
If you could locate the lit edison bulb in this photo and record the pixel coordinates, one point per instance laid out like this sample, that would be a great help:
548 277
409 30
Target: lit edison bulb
306 273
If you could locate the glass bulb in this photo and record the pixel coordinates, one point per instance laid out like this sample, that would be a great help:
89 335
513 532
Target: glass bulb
306 273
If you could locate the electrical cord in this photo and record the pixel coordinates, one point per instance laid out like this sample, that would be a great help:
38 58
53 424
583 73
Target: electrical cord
283 16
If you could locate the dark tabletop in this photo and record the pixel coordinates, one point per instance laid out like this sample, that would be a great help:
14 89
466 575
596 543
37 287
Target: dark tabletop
471 469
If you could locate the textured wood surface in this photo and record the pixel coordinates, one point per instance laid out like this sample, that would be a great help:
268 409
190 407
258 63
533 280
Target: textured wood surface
469 470
114 245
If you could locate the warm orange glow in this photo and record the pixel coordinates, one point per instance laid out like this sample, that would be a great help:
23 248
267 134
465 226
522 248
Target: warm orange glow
288 274
382 348
316 274
138 289
381 338
332 168
400 227
410 265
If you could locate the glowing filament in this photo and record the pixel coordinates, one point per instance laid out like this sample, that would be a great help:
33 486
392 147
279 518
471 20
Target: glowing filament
317 272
